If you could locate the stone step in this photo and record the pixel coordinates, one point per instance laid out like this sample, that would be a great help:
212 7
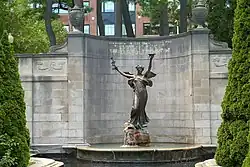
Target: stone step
45 162
207 163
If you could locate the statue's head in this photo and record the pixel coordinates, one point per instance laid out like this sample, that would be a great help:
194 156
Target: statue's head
139 69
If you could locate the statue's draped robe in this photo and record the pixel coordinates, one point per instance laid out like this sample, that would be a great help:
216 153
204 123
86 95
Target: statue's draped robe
138 115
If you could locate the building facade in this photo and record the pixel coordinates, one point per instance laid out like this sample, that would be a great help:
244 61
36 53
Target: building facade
141 25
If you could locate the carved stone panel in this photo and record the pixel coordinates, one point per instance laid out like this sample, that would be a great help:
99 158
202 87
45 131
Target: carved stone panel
50 66
219 63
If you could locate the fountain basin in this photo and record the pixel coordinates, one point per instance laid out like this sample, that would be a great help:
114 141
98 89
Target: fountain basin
157 153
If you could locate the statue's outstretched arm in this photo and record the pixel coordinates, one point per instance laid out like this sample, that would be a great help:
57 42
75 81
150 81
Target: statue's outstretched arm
150 61
124 74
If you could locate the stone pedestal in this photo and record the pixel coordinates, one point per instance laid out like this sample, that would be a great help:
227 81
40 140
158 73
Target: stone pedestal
135 137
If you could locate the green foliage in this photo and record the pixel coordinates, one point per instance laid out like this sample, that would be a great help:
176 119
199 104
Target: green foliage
239 145
32 36
232 143
28 28
233 132
14 135
36 39
222 155
7 146
246 162
153 10
220 19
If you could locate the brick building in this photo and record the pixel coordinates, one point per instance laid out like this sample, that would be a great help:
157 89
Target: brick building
141 25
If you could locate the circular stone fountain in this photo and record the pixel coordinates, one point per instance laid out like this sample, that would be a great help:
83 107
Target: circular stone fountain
174 155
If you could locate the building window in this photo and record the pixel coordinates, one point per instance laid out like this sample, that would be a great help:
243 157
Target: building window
86 29
124 33
131 6
108 6
57 10
110 29
85 3
149 29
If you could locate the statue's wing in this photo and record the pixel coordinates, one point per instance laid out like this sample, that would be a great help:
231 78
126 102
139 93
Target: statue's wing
149 74
128 73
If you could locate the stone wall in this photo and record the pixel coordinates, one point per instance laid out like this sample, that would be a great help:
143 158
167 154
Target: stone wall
218 80
108 97
74 96
45 81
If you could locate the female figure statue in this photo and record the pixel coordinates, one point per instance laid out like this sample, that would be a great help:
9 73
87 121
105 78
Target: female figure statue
138 83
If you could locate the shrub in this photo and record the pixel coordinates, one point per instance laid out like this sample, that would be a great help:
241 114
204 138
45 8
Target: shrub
233 132
239 145
246 162
224 141
14 136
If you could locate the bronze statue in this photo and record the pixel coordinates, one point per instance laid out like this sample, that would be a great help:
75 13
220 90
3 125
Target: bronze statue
138 83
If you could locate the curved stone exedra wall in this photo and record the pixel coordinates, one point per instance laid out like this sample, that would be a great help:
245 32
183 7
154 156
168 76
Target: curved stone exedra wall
73 95
108 97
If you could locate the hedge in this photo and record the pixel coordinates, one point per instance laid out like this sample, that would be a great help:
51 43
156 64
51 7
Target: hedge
232 134
246 162
14 135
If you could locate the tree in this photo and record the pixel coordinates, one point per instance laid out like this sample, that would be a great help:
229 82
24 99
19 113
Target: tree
127 19
27 26
220 19
233 132
164 20
14 135
160 12
122 11
99 18
46 11
183 16
118 18
246 162
47 18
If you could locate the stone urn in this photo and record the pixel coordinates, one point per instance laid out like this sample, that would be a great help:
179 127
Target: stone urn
199 14
76 17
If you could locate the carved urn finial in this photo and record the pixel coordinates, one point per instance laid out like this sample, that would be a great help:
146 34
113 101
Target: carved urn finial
199 14
76 16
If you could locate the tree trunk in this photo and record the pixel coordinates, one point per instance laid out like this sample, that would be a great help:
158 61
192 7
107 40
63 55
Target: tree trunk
183 16
127 19
48 26
99 18
118 18
164 26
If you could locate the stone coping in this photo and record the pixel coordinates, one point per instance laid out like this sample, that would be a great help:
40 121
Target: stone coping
44 162
129 149
131 39
43 55
159 153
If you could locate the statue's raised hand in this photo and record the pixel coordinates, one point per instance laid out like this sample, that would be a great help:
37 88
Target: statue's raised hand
113 64
151 55
115 67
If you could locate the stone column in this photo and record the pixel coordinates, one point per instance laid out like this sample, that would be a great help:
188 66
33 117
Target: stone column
201 86
75 88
